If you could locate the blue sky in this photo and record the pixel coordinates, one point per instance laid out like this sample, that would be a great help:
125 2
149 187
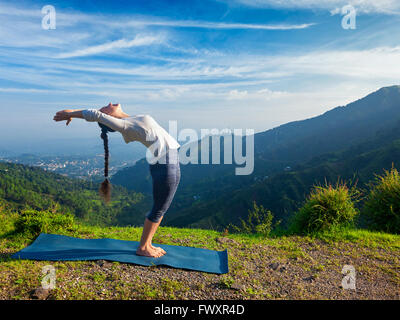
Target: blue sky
207 64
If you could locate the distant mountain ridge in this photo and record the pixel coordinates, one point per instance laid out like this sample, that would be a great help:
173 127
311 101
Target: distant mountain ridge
292 144
343 126
284 192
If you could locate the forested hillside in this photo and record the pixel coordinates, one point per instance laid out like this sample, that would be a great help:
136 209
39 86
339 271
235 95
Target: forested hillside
24 187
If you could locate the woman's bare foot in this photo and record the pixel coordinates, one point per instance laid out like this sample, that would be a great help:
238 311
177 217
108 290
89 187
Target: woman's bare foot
159 249
150 251
145 247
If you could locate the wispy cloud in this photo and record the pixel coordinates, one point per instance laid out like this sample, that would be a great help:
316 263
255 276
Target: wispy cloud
158 64
24 90
231 77
113 45
89 34
216 25
363 6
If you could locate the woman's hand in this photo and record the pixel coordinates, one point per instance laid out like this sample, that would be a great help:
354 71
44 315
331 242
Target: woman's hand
64 115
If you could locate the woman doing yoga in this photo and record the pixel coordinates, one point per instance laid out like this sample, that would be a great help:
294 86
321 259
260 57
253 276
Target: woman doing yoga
164 161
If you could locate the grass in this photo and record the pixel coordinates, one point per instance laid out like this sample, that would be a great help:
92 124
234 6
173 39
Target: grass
383 203
371 239
320 255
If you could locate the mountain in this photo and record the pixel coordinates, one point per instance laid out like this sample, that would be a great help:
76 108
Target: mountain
334 130
283 193
344 132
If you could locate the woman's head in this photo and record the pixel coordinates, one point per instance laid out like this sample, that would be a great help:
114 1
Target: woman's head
114 110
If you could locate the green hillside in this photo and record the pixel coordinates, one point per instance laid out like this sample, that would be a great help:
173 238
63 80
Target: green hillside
279 265
31 187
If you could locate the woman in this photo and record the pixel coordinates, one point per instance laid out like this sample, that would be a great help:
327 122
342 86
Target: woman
164 161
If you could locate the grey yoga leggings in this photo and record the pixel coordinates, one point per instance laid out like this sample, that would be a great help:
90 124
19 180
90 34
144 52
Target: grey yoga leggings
166 177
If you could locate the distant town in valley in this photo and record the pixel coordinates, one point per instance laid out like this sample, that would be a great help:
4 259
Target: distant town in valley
74 166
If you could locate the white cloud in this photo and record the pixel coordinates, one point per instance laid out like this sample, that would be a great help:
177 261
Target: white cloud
89 34
237 77
210 87
113 45
362 6
236 94
356 64
335 11
214 25
260 95
24 90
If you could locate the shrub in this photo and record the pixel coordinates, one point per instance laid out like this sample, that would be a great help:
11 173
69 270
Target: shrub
31 222
327 207
259 220
382 206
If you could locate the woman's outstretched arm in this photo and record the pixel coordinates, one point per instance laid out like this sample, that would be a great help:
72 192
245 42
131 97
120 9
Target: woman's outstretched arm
67 115
112 122
91 115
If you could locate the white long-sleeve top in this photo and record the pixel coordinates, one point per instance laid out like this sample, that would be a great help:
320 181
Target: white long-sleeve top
142 128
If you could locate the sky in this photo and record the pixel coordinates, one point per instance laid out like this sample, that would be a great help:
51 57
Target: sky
251 64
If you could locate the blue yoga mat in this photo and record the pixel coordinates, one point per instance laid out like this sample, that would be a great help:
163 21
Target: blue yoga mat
55 247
